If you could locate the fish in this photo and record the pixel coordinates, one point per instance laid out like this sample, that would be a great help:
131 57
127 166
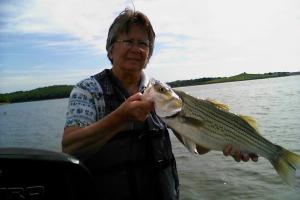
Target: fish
210 124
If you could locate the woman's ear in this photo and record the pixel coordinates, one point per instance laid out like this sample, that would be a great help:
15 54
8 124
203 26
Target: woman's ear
110 53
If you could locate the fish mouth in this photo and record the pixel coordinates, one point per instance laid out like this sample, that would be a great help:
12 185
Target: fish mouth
173 108
177 102
178 105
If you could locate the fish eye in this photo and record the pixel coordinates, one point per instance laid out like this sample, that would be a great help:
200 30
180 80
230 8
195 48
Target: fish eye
161 89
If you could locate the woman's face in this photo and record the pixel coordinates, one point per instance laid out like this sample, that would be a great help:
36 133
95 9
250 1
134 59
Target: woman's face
130 51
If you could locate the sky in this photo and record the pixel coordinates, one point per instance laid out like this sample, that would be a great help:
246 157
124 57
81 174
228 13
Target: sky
55 42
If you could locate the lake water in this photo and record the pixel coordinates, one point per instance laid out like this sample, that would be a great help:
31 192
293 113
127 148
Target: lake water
274 103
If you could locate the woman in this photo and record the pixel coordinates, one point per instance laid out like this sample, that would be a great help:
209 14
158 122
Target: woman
117 136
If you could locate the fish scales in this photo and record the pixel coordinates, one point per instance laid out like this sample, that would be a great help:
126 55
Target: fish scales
209 113
211 125
217 113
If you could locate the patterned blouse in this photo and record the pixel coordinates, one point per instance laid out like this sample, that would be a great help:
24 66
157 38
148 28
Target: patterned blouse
86 102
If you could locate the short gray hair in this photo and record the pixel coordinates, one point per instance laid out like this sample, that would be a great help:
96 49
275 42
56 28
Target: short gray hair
122 24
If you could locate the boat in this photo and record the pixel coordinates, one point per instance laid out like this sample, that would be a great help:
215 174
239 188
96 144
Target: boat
27 173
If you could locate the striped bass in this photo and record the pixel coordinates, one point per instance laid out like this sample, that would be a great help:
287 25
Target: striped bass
211 125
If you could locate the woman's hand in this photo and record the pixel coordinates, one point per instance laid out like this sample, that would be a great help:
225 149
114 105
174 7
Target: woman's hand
135 109
238 155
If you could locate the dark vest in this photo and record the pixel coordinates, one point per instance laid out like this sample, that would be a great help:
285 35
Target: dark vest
135 164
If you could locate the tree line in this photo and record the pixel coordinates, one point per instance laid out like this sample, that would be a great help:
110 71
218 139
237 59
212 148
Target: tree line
240 77
50 92
63 91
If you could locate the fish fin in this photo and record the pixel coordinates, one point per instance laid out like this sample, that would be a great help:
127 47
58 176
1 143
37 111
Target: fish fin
188 143
219 105
251 121
286 165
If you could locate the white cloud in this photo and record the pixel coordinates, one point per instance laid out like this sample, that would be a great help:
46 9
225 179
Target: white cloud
225 38
86 20
195 38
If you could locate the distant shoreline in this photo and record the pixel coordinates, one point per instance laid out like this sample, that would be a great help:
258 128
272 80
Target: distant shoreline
43 93
240 77
63 91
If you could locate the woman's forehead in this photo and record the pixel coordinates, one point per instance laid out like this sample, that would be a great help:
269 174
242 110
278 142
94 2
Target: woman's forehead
135 30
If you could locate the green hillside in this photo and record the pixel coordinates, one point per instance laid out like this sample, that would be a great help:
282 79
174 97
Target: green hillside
50 92
239 77
63 91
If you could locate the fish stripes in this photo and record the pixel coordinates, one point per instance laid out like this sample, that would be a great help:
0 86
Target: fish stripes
234 127
211 125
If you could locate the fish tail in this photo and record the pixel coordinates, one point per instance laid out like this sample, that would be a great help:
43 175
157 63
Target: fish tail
286 165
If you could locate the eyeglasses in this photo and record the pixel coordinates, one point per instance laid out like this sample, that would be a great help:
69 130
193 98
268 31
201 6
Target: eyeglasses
142 44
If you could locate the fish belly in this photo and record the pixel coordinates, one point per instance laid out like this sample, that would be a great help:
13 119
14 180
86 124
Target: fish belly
197 134
210 137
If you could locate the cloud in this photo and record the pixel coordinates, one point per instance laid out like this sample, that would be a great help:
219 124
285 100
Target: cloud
194 38
86 20
193 25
